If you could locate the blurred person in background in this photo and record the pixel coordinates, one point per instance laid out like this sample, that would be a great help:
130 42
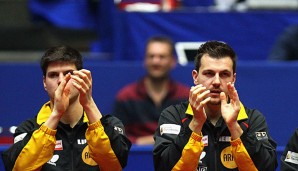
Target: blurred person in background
285 47
289 157
140 103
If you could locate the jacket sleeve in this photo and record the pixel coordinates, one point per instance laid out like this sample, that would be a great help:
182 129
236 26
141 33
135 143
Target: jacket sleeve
289 157
176 146
258 142
242 158
121 110
108 144
32 147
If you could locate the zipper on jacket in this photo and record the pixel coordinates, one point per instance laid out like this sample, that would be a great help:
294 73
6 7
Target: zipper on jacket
71 149
216 140
215 153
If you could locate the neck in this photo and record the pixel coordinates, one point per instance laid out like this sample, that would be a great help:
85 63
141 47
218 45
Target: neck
213 112
157 84
73 114
157 89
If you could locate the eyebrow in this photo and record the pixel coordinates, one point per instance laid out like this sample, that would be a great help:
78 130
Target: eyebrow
64 72
210 70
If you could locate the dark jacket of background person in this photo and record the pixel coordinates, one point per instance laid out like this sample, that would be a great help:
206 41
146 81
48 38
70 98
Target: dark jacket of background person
289 158
137 110
286 46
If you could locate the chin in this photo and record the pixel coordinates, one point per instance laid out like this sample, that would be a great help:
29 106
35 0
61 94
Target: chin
157 77
214 102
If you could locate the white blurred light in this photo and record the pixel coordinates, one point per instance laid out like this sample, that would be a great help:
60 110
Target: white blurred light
12 129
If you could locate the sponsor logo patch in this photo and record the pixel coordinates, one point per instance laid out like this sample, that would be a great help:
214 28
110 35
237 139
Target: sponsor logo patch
227 158
202 168
261 135
224 139
53 160
87 158
19 137
82 141
120 130
59 145
205 140
169 129
203 154
292 157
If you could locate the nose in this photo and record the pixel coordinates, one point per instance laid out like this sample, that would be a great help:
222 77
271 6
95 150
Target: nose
156 58
216 79
60 78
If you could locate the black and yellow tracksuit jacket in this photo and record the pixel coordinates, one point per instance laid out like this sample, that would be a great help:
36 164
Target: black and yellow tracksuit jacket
289 157
178 148
99 146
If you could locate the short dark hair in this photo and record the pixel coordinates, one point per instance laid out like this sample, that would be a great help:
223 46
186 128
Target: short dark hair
162 39
61 54
215 49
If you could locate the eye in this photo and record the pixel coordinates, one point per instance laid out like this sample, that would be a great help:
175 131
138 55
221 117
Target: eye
208 73
162 57
149 56
225 74
52 75
70 71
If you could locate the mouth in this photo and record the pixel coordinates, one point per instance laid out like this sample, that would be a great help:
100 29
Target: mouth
215 92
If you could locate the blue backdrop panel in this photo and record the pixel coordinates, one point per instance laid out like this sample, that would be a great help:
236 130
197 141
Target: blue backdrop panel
269 87
75 14
251 34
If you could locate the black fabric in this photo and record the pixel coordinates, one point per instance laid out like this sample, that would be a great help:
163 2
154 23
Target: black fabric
168 147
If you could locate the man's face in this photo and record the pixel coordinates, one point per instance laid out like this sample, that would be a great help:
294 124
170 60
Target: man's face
56 72
159 60
214 74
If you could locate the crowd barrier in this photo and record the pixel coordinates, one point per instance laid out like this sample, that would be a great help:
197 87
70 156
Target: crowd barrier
140 158
268 87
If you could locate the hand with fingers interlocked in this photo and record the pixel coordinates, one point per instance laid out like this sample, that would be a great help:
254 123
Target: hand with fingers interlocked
82 81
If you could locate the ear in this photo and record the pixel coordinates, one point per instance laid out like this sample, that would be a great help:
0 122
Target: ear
234 78
174 62
144 62
195 76
44 83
